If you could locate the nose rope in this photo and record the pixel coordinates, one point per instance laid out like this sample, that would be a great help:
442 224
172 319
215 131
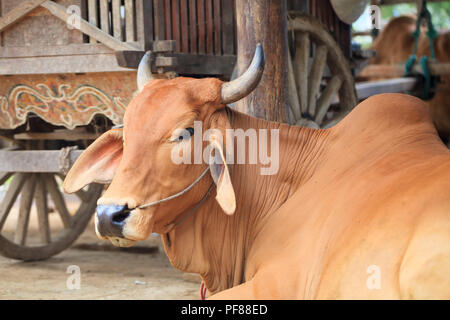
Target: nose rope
176 194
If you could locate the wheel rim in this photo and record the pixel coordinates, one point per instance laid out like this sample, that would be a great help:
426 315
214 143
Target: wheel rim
311 93
35 194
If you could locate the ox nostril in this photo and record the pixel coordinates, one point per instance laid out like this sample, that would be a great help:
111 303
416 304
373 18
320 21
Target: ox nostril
119 217
111 219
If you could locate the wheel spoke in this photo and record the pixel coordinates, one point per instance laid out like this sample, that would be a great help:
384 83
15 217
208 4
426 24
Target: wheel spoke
42 210
4 176
58 199
293 94
323 104
315 76
83 195
302 45
335 121
10 197
26 199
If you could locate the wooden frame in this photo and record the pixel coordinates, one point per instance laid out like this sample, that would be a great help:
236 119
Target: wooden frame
33 160
130 25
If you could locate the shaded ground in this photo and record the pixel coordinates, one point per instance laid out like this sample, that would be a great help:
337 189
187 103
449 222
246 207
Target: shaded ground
140 272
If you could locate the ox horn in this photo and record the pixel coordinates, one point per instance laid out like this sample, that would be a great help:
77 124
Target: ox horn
239 88
144 73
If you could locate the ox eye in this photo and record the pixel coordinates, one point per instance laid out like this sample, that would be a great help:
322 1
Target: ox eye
187 133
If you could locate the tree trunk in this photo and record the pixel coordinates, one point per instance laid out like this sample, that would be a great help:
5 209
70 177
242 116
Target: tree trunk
264 21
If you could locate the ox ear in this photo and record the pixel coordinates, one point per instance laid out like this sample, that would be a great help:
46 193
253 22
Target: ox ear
97 163
221 176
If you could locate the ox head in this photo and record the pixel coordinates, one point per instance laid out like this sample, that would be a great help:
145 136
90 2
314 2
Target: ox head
136 159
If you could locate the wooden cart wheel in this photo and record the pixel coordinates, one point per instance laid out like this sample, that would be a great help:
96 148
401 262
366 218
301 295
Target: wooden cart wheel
311 93
54 231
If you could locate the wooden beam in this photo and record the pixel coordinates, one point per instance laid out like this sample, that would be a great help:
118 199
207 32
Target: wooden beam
264 22
26 200
398 70
61 64
144 23
69 135
58 200
188 64
104 16
42 209
116 19
129 21
18 12
400 85
10 197
60 12
92 16
63 50
33 160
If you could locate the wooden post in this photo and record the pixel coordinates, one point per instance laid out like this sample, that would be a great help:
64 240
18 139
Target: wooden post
264 21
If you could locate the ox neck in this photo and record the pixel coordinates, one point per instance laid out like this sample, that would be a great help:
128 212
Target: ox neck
217 246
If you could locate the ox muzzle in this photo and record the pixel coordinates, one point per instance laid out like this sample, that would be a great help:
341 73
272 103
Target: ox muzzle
110 221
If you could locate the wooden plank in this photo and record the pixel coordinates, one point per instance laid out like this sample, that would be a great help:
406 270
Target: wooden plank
129 20
201 26
60 11
26 200
324 102
58 200
184 26
204 64
189 64
33 160
217 27
19 12
302 43
104 16
140 19
144 23
92 16
69 135
399 85
176 35
315 76
166 12
116 20
61 64
10 197
227 27
209 45
42 209
293 94
164 46
43 51
193 27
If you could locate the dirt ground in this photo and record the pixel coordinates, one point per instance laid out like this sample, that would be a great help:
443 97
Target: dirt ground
106 272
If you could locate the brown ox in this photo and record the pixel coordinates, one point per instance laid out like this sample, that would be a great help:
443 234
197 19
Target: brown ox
395 44
361 210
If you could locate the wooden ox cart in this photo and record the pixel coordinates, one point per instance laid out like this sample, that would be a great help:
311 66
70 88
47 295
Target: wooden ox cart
67 73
